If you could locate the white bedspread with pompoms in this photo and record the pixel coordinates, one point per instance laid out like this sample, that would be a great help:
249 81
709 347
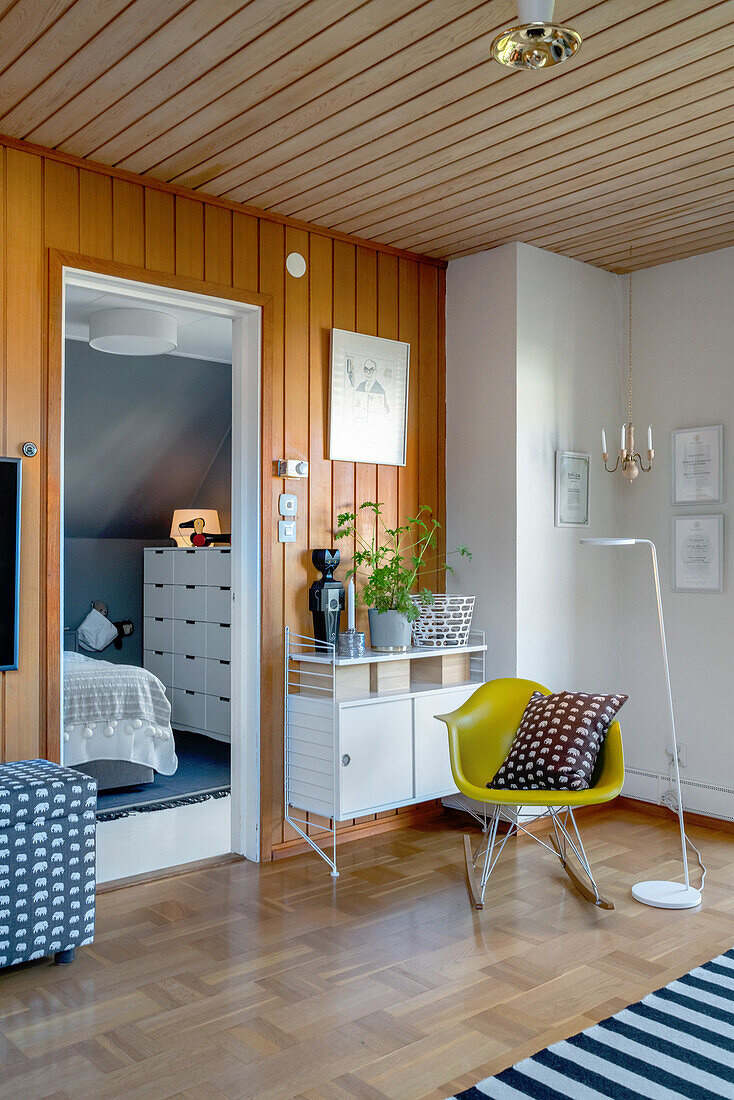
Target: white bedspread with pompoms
116 712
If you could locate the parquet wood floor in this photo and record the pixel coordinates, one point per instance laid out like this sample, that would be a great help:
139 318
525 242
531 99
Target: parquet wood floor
275 982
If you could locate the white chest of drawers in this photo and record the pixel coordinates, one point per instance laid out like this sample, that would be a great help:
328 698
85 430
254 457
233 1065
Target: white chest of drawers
187 609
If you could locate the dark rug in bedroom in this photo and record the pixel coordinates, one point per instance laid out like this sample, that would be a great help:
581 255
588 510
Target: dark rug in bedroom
203 771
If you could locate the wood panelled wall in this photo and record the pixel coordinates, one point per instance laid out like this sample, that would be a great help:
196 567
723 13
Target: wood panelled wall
52 202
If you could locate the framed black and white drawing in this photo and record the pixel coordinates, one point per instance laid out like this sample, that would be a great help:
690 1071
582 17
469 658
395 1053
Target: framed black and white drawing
572 489
697 465
368 399
697 553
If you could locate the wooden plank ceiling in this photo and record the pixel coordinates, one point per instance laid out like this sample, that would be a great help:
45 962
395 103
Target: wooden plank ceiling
386 118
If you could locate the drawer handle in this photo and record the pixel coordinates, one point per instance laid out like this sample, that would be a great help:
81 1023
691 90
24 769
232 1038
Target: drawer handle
158 652
223 699
189 657
190 692
159 620
158 586
191 622
190 551
224 588
346 760
223 662
191 586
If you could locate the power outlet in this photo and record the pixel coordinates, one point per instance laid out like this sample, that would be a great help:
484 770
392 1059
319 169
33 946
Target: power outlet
682 754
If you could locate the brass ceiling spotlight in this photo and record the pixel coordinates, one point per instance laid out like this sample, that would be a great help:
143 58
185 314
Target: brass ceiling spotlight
538 42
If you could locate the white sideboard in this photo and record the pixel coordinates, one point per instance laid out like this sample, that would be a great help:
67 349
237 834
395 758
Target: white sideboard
187 609
361 734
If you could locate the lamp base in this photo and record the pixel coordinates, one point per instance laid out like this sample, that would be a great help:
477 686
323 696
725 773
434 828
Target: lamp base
666 895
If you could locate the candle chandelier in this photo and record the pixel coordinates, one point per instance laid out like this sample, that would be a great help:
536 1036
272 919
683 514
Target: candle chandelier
629 461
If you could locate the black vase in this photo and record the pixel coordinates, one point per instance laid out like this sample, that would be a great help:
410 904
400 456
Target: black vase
326 599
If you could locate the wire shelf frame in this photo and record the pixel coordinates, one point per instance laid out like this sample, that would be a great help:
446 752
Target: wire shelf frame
320 681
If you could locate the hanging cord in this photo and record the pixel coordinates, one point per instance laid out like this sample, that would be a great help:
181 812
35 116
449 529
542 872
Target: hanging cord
629 316
670 800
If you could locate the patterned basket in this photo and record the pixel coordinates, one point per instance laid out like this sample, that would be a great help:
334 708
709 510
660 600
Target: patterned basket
445 622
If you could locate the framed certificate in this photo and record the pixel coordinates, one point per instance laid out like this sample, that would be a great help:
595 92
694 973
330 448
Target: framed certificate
697 553
697 465
572 489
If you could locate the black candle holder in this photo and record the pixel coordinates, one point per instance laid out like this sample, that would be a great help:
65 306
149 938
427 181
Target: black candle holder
326 599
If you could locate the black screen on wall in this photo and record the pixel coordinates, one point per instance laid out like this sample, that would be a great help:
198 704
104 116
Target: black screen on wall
9 560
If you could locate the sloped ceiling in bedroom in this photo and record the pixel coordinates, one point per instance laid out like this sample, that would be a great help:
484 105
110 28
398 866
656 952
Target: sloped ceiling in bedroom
143 436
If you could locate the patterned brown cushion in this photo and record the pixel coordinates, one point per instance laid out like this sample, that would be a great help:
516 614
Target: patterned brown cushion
558 742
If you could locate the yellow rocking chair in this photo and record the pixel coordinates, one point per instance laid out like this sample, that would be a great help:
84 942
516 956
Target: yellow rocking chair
480 735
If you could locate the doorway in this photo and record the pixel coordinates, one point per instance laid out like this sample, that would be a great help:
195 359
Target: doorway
189 816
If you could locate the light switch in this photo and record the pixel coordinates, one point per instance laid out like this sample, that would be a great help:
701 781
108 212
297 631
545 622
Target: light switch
288 504
286 530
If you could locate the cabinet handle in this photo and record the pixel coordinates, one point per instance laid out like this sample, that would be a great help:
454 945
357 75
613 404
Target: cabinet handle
346 759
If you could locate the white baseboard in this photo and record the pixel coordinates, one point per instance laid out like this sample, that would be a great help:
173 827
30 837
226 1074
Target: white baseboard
699 797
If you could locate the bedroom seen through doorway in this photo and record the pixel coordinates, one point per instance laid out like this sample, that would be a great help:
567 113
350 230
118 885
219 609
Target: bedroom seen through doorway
150 624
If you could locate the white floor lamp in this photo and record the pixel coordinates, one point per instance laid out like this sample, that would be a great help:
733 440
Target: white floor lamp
663 895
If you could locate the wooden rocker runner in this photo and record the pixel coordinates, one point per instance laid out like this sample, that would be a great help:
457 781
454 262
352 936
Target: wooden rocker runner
480 735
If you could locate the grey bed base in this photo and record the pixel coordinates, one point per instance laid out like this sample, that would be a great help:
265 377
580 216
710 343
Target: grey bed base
116 773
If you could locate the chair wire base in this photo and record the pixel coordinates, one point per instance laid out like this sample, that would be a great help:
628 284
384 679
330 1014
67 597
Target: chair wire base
565 835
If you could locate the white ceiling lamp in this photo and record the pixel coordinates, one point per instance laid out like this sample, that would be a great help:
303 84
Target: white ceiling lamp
538 42
126 331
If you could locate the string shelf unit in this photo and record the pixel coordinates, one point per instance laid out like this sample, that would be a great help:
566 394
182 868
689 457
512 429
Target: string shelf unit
361 735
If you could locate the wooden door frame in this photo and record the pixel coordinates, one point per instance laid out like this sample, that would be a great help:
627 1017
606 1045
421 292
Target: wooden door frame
58 260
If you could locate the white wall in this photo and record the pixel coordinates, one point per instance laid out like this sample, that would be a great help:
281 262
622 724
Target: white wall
536 361
567 383
683 359
480 431
531 368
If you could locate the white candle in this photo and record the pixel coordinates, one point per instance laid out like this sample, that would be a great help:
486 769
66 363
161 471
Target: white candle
649 437
622 445
604 442
350 604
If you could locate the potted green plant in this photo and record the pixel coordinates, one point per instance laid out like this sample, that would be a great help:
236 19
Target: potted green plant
387 567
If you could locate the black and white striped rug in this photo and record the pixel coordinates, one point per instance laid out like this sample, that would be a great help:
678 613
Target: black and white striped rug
678 1041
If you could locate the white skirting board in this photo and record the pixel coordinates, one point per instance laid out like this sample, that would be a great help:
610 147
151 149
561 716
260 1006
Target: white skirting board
698 797
476 809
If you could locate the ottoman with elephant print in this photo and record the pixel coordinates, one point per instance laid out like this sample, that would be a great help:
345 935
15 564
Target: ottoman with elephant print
47 861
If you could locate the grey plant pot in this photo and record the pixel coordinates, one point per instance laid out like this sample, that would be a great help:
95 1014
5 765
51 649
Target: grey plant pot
390 631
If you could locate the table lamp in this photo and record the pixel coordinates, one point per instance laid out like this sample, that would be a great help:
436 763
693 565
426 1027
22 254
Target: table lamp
656 892
184 515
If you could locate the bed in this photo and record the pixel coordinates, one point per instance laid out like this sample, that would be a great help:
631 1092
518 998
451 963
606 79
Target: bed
117 722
